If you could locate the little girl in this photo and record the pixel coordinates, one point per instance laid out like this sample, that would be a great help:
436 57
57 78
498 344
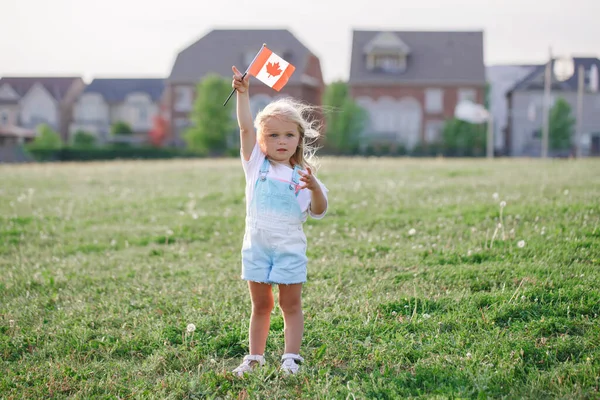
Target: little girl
281 191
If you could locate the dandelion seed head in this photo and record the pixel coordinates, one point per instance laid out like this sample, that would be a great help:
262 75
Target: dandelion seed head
502 204
496 196
412 232
191 328
521 244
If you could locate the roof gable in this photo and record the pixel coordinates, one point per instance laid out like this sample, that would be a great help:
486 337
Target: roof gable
386 42
435 58
8 94
57 87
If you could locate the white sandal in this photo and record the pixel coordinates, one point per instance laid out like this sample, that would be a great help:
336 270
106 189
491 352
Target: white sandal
290 363
249 363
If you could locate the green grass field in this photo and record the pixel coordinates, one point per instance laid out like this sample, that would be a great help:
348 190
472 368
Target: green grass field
413 289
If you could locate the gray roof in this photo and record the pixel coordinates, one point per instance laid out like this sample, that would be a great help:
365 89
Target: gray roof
56 86
535 80
435 58
116 90
218 50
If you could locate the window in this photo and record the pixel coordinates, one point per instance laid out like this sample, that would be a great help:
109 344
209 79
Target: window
467 95
390 62
142 112
3 117
434 100
183 98
433 131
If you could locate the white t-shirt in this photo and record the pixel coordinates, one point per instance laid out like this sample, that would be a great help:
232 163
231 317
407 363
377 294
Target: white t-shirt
280 172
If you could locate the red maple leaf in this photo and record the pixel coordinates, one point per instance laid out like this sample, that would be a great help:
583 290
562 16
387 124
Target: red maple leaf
273 69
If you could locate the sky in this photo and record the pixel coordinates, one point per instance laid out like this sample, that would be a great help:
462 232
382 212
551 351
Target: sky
141 38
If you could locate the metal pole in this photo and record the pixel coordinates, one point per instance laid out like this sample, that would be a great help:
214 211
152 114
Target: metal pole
546 108
578 132
490 136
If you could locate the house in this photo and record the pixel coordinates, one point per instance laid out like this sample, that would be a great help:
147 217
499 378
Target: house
218 50
107 101
409 82
26 102
526 99
500 79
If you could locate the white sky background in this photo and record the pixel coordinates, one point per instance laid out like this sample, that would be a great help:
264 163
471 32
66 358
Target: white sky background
140 38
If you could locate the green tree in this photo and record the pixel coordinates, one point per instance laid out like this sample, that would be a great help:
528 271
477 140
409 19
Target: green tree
46 138
345 120
561 125
121 128
83 139
212 123
461 138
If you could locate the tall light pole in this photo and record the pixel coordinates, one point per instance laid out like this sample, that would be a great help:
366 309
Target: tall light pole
546 108
578 132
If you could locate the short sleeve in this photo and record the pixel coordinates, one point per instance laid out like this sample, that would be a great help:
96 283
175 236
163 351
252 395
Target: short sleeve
325 191
256 158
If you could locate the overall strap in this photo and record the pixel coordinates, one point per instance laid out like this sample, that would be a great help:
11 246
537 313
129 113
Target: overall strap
295 180
264 169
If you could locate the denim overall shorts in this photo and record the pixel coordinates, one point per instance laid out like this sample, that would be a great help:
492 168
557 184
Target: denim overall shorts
274 248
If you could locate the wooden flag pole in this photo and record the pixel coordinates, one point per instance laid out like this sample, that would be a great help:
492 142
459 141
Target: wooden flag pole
245 73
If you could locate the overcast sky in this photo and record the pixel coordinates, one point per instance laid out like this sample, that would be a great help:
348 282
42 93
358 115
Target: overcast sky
140 38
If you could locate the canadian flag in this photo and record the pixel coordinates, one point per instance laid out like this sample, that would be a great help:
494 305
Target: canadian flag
271 69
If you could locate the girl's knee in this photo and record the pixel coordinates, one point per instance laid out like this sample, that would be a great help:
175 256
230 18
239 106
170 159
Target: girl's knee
264 306
290 306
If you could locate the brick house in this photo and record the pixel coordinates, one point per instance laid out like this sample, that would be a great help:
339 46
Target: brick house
410 82
217 51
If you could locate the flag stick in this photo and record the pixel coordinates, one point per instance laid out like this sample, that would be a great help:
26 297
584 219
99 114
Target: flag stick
245 73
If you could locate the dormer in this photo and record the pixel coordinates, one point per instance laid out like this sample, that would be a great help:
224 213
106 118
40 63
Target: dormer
386 52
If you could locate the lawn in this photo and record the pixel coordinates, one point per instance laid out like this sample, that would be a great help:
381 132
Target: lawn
428 277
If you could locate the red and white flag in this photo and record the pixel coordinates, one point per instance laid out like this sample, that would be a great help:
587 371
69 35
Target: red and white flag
271 69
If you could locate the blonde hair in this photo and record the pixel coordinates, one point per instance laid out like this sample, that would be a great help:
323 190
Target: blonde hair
302 115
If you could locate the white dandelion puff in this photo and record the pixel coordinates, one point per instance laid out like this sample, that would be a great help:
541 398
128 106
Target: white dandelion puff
496 196
502 204
469 355
191 328
169 232
412 232
426 316
521 244
566 192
